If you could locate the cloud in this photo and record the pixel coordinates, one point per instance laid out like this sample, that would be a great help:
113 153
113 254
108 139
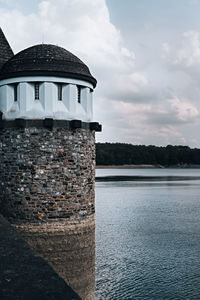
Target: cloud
153 100
174 111
184 54
6 1
184 110
83 27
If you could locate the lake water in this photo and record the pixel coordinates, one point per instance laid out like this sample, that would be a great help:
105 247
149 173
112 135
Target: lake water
148 236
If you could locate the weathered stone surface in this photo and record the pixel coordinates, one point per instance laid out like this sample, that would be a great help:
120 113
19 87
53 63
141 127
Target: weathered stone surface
46 174
47 192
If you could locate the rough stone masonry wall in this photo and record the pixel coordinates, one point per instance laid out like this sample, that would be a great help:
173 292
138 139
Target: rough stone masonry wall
47 192
46 174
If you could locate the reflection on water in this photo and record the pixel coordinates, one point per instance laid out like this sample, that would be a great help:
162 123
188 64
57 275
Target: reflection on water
69 247
148 238
149 172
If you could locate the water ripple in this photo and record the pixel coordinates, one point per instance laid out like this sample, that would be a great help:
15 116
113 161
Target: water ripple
147 242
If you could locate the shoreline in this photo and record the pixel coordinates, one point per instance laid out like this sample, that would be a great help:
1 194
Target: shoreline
146 178
143 166
129 167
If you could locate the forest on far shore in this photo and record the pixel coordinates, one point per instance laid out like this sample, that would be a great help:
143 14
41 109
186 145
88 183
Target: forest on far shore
128 154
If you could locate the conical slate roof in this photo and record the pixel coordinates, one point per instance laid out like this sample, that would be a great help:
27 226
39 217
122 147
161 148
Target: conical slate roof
5 50
46 60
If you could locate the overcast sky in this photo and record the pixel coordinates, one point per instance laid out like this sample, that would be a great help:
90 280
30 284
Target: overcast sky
145 55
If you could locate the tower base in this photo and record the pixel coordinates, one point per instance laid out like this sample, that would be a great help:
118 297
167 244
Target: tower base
69 247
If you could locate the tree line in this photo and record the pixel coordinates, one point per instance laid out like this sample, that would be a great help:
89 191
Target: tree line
121 154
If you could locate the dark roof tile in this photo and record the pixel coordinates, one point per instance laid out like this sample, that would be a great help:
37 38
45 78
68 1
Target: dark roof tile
47 60
5 50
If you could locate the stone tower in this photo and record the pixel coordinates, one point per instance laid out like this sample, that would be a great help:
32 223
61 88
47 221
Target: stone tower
47 157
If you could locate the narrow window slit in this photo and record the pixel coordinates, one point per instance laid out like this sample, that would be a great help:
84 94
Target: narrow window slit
37 91
15 92
79 93
60 91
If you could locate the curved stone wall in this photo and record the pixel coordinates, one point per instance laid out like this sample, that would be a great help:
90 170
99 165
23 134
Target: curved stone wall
47 174
47 192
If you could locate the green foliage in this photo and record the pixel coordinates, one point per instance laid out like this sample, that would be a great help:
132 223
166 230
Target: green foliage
120 154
